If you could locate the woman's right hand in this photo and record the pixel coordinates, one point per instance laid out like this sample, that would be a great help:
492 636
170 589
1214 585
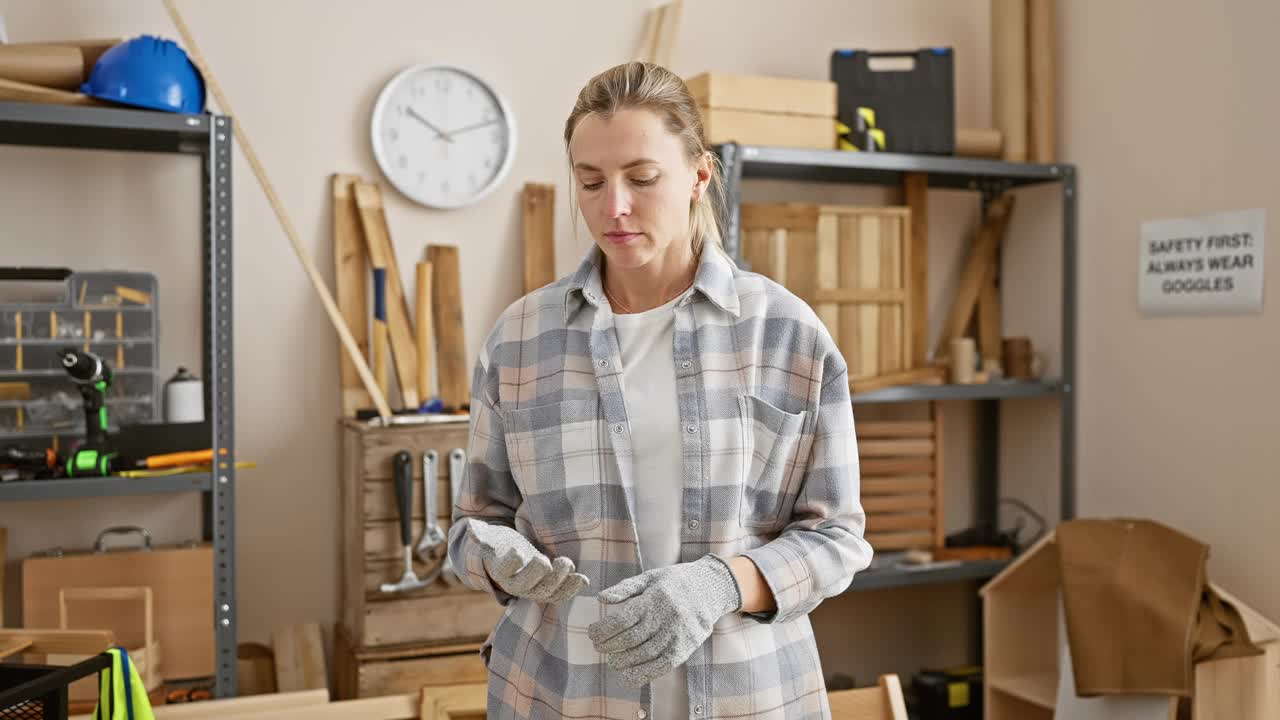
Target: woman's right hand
516 566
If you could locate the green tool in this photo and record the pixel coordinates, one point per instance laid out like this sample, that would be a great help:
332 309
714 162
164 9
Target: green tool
93 377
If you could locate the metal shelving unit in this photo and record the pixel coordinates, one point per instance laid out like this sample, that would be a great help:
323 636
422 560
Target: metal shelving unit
988 177
208 136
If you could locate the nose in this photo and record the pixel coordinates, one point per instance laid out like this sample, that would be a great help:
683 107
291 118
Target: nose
619 202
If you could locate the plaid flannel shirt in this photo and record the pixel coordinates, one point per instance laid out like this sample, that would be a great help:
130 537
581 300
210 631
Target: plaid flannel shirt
770 472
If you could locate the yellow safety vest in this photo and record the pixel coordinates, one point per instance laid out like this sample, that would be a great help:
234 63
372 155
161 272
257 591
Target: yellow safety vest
121 694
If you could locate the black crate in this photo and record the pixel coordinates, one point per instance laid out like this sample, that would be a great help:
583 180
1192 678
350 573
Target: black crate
948 694
915 107
39 692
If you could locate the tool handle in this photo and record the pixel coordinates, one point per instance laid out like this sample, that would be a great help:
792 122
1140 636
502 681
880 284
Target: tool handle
429 472
404 494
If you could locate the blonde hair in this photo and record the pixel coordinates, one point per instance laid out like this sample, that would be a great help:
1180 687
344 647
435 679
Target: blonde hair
646 86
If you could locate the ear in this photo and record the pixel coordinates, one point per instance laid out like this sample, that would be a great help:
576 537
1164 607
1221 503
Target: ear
702 175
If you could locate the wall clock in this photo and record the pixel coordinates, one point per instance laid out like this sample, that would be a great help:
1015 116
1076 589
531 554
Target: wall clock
442 136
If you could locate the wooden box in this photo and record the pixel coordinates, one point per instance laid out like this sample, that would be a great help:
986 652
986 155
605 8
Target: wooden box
1025 646
362 672
851 264
761 110
141 645
371 551
901 464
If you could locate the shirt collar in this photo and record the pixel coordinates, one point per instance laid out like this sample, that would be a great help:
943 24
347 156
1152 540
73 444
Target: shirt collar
713 279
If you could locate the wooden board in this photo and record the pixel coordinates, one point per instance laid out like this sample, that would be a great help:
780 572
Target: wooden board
539 226
351 286
181 580
761 93
989 321
426 328
377 237
977 265
916 192
299 656
901 483
852 264
451 347
454 616
756 128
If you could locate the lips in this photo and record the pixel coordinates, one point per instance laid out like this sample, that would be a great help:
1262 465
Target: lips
621 238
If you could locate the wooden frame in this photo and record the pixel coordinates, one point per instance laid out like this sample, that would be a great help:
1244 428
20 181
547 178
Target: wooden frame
852 264
902 481
884 701
454 702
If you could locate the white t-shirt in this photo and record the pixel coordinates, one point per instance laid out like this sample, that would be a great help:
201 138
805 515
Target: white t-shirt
649 390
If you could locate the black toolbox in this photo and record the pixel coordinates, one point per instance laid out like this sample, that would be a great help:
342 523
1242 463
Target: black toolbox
913 98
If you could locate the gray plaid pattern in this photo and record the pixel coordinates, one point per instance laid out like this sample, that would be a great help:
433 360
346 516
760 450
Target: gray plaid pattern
771 472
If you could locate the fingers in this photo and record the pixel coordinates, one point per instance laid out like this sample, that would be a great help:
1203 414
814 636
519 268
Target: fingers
657 644
571 586
636 676
547 586
610 625
522 581
649 625
627 588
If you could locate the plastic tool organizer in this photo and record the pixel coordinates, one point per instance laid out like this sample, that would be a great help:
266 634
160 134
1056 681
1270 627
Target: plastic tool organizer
44 310
913 104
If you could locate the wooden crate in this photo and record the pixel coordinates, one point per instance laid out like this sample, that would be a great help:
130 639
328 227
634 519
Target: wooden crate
902 489
852 264
371 552
763 110
363 672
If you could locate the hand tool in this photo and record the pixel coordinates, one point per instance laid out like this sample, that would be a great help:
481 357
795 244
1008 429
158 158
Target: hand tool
404 503
457 464
177 459
432 537
380 327
93 377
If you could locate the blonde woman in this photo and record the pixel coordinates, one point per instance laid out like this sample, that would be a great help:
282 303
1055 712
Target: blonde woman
663 477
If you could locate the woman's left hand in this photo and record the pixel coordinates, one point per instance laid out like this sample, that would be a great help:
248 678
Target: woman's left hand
665 614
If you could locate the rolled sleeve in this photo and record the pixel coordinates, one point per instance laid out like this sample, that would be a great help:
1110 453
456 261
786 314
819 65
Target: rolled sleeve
488 492
823 546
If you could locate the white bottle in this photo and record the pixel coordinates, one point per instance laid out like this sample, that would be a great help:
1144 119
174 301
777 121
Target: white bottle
184 398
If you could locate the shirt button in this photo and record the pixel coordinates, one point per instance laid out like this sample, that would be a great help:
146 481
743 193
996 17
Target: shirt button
691 428
697 710
591 295
617 429
642 714
686 364
604 363
693 524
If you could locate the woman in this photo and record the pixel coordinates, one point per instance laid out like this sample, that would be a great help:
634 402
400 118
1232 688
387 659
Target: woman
663 478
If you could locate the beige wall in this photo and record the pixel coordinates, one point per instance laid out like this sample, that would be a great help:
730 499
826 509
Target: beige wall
304 97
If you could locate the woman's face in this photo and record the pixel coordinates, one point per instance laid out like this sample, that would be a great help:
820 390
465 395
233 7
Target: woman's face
634 186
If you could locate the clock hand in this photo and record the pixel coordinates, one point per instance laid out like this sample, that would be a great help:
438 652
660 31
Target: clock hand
461 130
439 133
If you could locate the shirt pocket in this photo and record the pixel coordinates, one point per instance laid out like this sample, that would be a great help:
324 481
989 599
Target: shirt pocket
775 453
557 453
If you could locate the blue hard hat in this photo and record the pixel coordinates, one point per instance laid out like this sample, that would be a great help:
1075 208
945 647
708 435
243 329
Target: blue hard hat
148 72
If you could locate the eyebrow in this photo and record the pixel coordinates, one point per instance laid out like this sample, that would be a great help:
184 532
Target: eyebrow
628 166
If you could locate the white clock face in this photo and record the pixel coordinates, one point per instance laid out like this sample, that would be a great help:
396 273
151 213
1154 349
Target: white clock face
442 136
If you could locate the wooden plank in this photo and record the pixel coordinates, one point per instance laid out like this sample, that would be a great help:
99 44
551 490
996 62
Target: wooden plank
894 428
14 646
373 222
454 701
351 280
454 377
780 216
802 263
254 706
351 572
898 504
778 254
454 617
59 642
850 318
757 128
539 226
989 320
380 500
939 494
895 448
896 485
897 522
899 540
426 331
884 467
890 344
376 449
764 93
375 679
846 296
756 251
828 274
299 656
869 234
916 190
988 239
928 375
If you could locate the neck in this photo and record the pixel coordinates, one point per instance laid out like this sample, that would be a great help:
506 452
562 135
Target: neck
651 285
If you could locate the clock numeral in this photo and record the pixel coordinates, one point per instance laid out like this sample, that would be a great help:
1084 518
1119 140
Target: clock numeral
393 135
403 162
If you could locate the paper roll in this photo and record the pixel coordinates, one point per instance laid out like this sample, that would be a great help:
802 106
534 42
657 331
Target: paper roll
51 66
964 360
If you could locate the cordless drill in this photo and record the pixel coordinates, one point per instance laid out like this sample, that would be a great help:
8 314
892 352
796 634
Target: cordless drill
93 377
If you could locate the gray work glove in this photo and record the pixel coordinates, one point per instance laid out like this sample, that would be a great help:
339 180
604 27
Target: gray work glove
517 567
665 614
